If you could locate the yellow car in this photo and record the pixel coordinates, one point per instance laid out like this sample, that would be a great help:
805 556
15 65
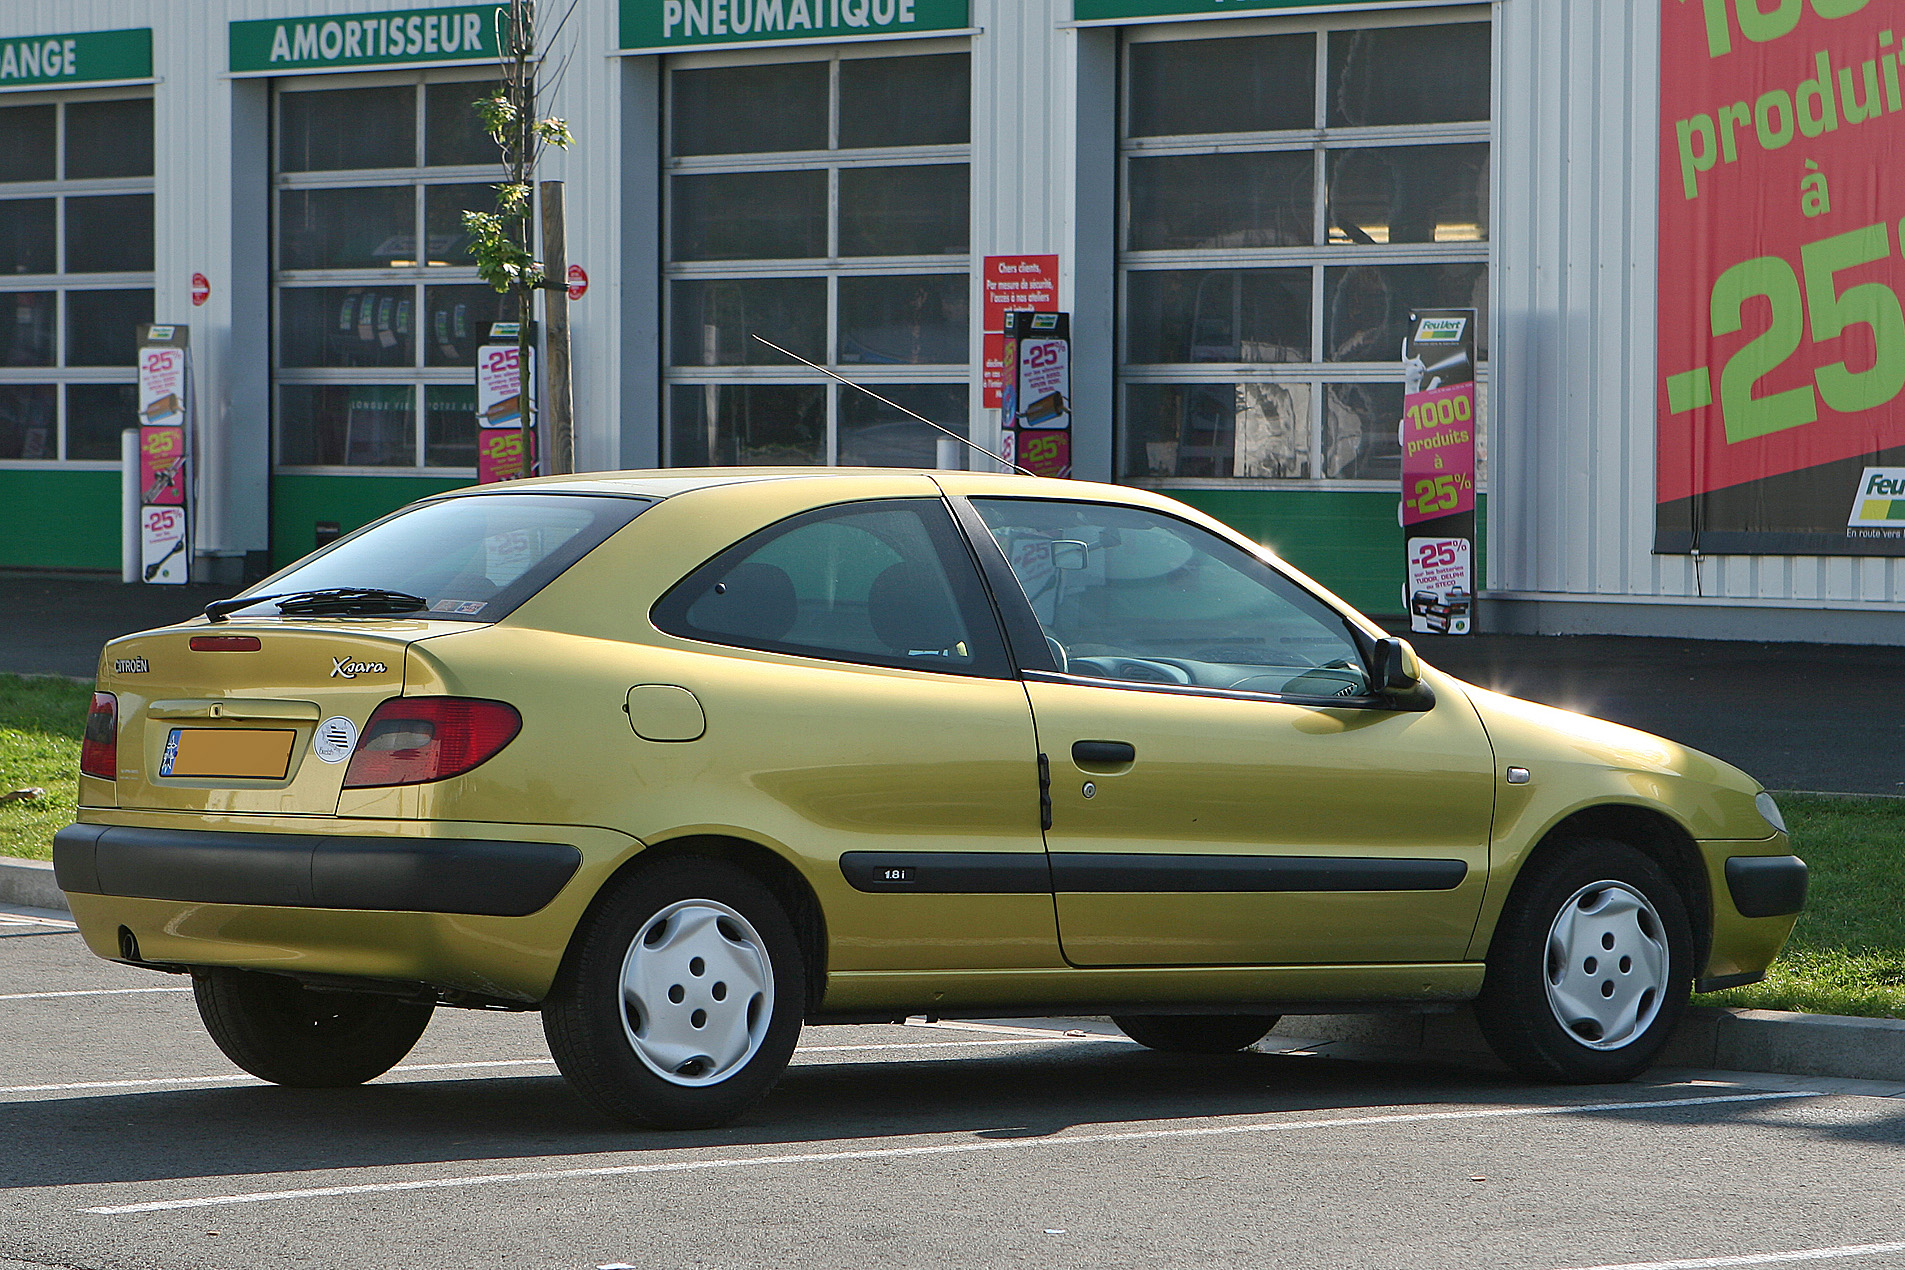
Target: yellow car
683 759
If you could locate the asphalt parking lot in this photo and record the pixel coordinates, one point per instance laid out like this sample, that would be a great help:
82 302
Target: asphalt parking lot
132 1143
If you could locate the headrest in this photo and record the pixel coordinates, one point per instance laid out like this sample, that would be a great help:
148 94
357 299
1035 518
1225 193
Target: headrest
751 602
910 610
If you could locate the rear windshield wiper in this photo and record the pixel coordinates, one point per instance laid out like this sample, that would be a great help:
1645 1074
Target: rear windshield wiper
349 601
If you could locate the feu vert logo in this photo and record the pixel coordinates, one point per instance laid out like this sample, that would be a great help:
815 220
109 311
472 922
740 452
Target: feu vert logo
1440 330
1880 500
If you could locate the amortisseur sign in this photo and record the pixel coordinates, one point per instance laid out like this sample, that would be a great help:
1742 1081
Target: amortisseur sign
1782 337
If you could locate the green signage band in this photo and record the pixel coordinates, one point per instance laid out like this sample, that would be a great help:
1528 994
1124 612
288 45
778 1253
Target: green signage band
659 24
401 37
83 57
1118 10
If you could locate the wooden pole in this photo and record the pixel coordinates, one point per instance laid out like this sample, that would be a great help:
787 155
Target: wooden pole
559 406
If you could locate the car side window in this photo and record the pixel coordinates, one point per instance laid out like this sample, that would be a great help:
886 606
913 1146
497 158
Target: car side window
1128 594
886 583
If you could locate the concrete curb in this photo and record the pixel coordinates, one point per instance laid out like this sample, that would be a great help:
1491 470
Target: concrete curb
30 884
1722 1039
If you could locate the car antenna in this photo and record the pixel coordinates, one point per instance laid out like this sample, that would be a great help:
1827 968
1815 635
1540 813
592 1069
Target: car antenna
896 405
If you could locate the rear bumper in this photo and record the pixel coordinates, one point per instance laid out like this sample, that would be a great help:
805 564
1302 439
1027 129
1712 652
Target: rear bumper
486 877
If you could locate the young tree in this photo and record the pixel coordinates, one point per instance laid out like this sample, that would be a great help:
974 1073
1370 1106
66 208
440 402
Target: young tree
501 240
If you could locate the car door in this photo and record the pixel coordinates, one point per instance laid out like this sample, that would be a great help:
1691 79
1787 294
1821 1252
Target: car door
862 712
1225 789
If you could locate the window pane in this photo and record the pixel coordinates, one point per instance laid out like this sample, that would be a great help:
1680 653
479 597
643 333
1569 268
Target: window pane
866 585
347 128
109 138
346 326
747 425
1221 200
102 327
1228 429
754 109
1145 597
911 319
1359 432
873 434
95 416
28 153
458 322
1366 307
29 422
449 425
905 101
750 216
1414 74
26 328
373 228
714 321
1218 315
443 208
26 236
112 234
1408 194
356 425
1268 83
452 130
910 211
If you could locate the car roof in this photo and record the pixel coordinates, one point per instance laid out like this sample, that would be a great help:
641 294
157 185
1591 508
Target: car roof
662 483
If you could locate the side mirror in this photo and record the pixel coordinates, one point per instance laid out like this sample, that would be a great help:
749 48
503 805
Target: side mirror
1399 675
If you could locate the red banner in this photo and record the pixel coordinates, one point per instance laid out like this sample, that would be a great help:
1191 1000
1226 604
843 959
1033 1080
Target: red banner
1781 337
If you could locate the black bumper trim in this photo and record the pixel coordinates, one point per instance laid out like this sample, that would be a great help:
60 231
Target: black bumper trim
1767 885
479 876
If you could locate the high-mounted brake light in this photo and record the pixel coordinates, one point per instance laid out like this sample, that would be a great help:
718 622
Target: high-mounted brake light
225 644
99 751
411 740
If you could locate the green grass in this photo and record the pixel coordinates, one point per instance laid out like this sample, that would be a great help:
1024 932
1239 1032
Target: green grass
41 719
1847 955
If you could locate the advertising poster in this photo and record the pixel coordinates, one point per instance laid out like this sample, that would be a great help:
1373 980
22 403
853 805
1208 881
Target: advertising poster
164 452
1011 283
1437 437
1781 425
1035 401
499 409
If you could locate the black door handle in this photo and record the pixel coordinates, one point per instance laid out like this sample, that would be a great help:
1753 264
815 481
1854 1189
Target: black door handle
1104 753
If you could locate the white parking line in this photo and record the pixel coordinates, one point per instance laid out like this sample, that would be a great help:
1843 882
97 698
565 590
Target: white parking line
240 1079
949 1148
84 992
1759 1258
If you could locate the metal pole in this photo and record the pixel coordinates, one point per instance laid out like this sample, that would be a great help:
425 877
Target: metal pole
129 553
558 405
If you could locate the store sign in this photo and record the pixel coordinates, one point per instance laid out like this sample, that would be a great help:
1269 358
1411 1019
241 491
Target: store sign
653 24
83 57
165 438
400 37
1438 470
1781 390
1036 402
1127 10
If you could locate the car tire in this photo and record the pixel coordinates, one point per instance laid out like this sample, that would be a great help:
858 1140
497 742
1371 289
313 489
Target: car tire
1196 1033
281 1031
681 998
1590 967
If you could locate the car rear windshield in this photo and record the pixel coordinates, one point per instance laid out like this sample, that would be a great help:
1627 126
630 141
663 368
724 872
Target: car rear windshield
470 558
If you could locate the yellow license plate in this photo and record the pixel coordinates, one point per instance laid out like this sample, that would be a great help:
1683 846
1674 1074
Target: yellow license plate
243 753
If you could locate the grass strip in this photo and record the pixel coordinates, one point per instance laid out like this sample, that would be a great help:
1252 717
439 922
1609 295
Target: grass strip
1847 955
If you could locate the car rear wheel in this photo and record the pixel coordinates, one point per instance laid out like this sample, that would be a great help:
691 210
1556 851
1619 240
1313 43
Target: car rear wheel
1590 968
1196 1033
281 1031
682 997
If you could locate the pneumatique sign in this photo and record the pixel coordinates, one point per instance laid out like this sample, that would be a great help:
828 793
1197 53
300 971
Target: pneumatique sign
657 24
1781 383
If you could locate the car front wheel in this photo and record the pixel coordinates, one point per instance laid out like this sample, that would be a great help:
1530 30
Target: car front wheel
1590 968
682 998
280 1031
1196 1033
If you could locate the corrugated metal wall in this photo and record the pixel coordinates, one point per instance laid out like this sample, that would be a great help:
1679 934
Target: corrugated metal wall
1573 488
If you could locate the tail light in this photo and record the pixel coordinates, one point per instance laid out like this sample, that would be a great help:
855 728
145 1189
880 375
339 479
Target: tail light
99 751
410 740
